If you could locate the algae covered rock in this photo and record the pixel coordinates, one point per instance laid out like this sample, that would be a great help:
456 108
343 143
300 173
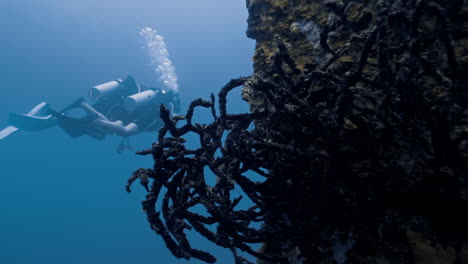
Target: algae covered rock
382 92
358 128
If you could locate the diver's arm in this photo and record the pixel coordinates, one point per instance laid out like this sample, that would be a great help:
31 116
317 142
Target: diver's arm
118 127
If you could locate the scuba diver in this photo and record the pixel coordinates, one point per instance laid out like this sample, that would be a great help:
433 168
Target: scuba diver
121 107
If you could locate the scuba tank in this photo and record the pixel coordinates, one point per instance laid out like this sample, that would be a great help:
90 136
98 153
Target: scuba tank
140 100
105 89
115 88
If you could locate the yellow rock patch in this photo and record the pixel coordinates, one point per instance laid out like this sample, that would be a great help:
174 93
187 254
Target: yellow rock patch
353 12
279 3
426 253
348 124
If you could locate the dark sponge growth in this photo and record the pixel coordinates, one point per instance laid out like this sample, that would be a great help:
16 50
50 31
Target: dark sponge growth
361 139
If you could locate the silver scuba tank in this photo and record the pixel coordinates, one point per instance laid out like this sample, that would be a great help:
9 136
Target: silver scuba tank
140 100
105 89
115 88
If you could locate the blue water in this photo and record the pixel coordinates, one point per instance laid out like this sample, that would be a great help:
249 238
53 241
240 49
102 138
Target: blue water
62 199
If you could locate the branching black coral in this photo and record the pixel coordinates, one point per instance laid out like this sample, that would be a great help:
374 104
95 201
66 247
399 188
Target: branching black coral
181 172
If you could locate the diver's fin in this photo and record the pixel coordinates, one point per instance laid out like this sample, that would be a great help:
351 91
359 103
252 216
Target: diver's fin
35 120
7 131
39 110
32 123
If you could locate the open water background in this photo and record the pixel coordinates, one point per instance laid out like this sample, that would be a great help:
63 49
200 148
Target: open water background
62 200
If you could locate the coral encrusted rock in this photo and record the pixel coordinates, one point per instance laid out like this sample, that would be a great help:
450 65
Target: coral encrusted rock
382 92
358 130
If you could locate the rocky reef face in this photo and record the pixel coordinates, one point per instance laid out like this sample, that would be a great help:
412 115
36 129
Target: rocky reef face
374 94
358 128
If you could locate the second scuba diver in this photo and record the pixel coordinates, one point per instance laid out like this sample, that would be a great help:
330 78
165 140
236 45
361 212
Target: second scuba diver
121 107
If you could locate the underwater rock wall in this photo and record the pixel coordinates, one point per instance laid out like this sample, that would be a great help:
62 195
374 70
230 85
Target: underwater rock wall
358 129
374 96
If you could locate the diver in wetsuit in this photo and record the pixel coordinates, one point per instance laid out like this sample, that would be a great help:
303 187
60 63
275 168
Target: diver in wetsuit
121 107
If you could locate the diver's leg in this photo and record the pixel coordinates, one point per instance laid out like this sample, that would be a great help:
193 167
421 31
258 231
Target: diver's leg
118 127
81 103
88 108
75 104
72 126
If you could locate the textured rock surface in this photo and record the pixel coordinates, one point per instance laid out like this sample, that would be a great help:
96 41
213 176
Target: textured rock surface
361 137
382 87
